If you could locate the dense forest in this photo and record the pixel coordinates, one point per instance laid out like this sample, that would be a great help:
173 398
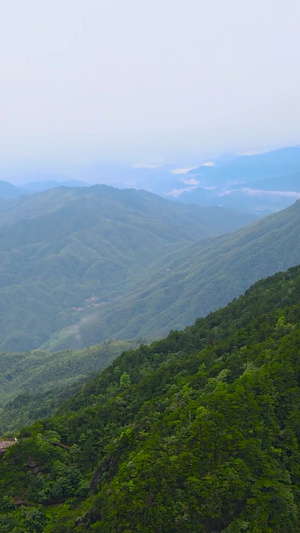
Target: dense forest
33 384
198 432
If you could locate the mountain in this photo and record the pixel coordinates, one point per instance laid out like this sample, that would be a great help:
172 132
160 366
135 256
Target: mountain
232 181
109 201
199 431
279 183
195 280
67 250
257 183
38 186
7 191
251 168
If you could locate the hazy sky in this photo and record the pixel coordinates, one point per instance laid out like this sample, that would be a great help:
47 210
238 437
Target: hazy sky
147 80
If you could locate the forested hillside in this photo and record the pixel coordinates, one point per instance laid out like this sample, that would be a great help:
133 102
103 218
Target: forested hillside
196 279
32 384
198 432
69 250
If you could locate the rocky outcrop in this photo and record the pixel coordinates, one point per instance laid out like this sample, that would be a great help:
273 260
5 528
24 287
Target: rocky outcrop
5 444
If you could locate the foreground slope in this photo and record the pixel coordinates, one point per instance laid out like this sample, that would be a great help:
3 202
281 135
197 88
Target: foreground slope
197 279
197 432
65 250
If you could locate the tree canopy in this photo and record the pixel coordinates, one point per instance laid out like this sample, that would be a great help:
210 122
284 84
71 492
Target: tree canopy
205 437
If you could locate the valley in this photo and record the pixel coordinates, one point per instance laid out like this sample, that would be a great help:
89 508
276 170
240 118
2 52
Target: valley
192 281
61 247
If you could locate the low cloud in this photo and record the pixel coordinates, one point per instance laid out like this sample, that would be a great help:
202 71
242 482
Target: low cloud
182 170
194 185
260 192
225 193
186 170
177 192
190 181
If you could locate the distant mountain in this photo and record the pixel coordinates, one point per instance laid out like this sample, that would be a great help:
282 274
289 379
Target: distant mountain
261 201
279 183
7 190
251 168
38 186
196 279
67 251
257 183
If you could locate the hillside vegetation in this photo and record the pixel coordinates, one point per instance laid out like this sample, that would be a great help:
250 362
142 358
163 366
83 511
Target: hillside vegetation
67 250
33 384
196 279
197 432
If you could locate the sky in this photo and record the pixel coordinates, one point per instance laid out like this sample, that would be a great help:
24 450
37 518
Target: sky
146 82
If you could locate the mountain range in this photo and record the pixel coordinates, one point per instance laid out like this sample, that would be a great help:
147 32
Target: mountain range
83 265
68 250
260 183
192 281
